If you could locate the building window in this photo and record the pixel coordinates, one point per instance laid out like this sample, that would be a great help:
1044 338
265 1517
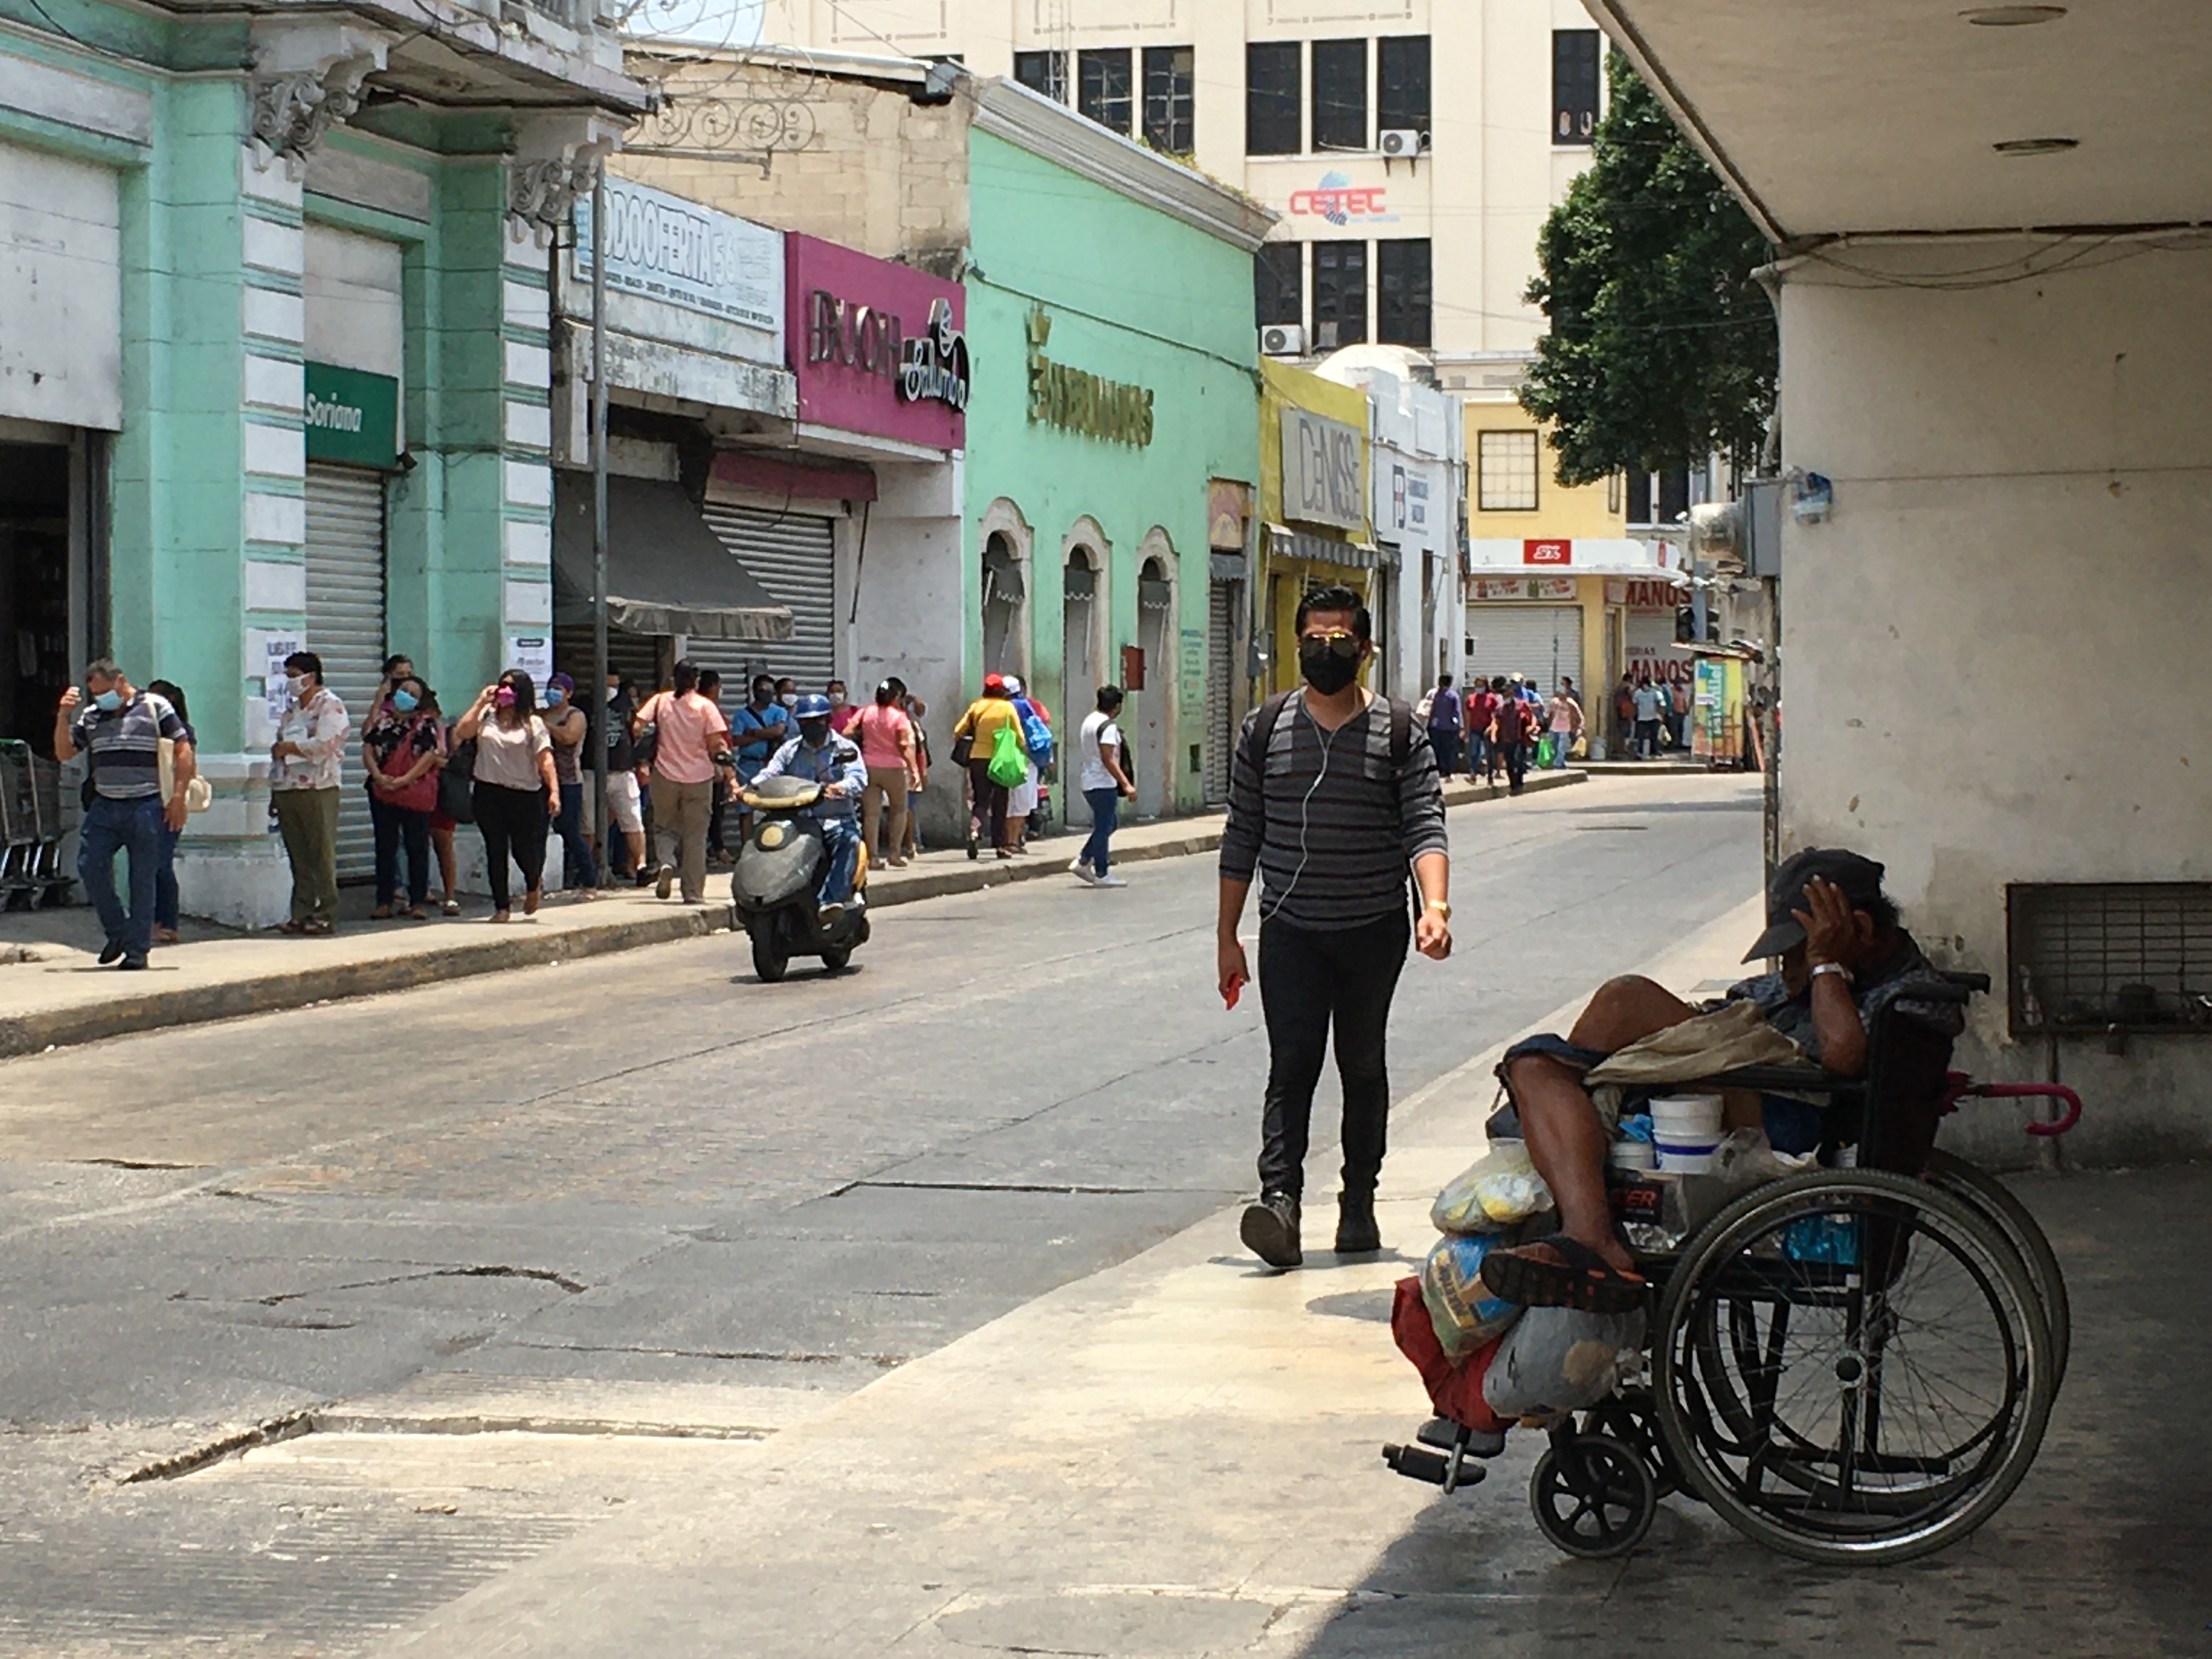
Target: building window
1402 82
1659 497
1043 71
1402 296
1279 283
1574 86
1339 94
1339 294
1272 100
1168 104
1505 471
1102 88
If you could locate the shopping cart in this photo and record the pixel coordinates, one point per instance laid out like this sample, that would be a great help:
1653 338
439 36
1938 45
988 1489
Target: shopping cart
31 872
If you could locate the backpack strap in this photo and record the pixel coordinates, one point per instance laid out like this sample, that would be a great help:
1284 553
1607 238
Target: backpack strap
1257 734
1402 733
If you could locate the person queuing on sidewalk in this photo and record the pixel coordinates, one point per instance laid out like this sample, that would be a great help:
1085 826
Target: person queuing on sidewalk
401 750
516 792
787 692
1443 714
1678 704
442 822
760 727
625 815
167 912
973 736
1566 722
843 711
1035 732
1624 715
1333 795
885 737
718 808
1482 760
691 737
819 755
1516 725
1105 784
121 728
568 727
914 709
1651 703
304 763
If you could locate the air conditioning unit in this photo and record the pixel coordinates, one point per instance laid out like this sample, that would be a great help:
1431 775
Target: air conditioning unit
1403 141
1282 340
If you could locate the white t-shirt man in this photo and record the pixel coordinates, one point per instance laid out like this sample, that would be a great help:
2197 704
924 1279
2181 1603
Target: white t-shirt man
1099 731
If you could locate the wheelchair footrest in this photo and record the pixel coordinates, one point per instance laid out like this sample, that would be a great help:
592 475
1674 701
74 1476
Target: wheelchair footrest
1444 1434
1418 1463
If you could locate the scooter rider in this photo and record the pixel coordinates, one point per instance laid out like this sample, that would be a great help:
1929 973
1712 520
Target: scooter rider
817 755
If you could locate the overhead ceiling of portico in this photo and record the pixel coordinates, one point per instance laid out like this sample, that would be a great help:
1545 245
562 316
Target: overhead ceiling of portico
1882 115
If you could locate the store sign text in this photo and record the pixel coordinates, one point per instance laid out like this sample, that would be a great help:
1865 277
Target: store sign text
935 365
1076 401
1339 201
352 414
1488 589
667 248
1552 553
1321 469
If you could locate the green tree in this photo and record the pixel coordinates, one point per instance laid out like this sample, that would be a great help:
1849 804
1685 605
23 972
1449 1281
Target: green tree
1662 348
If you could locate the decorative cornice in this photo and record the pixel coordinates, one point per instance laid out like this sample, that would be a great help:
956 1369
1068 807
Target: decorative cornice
556 161
307 78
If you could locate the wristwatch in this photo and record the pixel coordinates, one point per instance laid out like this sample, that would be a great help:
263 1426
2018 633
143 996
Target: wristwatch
1442 907
1836 968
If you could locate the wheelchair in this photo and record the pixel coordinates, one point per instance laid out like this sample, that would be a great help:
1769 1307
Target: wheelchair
1853 1365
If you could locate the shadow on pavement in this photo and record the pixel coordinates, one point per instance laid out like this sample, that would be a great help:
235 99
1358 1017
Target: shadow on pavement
2103 1551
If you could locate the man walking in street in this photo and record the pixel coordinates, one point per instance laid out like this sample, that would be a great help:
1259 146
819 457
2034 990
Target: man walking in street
1516 721
1334 793
1443 714
1650 703
121 729
1105 784
303 787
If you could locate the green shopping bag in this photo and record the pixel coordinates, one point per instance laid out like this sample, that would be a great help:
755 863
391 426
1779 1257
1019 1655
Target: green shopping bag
1010 762
1547 747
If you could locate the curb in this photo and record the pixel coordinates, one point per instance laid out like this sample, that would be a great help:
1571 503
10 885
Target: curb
31 1034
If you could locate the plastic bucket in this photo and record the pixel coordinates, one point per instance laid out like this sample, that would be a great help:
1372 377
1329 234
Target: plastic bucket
1633 1155
1687 1158
1686 1114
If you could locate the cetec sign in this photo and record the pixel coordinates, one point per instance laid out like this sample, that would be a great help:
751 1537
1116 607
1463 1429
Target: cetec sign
877 348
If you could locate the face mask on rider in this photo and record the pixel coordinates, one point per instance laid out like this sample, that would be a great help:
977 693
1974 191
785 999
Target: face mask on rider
816 732
1324 665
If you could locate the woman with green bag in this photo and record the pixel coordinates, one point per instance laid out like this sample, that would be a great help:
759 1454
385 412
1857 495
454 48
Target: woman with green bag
989 736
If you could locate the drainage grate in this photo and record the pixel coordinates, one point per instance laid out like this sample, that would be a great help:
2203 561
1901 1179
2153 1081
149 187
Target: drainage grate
2094 956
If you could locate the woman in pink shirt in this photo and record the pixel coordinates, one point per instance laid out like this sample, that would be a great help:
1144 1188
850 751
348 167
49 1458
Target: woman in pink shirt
691 741
886 739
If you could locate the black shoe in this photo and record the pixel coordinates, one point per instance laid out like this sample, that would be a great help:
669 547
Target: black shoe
1355 1231
109 951
133 962
1270 1230
975 848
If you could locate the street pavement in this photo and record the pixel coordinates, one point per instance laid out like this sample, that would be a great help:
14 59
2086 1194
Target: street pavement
630 1305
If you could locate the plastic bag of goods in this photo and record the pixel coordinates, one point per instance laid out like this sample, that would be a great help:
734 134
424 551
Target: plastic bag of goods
1558 1360
1461 1307
1498 1189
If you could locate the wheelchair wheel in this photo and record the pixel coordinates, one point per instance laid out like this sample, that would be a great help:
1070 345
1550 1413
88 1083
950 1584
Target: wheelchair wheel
1852 1366
1592 1496
2000 1204
1630 1417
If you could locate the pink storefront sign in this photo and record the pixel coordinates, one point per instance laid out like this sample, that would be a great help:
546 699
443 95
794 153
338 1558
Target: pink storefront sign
878 347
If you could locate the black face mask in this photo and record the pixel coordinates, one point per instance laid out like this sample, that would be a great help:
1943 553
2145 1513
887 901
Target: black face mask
1324 669
816 732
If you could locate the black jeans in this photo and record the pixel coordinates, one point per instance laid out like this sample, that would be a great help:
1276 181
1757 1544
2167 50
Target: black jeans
511 821
1444 739
1311 979
1516 757
988 825
396 827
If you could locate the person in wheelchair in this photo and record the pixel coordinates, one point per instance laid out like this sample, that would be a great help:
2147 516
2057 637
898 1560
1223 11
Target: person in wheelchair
1845 956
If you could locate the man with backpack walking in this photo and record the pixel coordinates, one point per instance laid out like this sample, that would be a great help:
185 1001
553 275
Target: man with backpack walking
1334 793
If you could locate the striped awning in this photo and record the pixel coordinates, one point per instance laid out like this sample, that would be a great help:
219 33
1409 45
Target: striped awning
1284 542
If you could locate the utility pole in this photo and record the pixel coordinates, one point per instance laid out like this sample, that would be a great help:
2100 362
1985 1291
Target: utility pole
601 824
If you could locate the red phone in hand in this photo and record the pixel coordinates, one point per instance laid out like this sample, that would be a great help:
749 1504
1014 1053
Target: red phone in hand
1236 989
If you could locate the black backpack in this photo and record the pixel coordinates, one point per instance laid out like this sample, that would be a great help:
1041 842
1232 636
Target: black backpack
1257 735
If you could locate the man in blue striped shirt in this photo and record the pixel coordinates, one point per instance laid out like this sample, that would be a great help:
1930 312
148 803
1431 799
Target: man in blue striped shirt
121 728
1333 793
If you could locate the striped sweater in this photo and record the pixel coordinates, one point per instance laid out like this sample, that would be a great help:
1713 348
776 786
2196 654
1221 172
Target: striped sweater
1333 826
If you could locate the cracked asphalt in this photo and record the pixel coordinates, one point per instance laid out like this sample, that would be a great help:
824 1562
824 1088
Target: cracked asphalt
647 1198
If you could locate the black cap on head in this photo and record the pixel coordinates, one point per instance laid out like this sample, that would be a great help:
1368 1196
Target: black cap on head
1859 880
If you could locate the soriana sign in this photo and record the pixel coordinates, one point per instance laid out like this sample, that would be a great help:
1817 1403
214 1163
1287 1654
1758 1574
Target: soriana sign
878 349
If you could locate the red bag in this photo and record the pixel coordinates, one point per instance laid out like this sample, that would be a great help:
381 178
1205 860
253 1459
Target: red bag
421 795
1455 1390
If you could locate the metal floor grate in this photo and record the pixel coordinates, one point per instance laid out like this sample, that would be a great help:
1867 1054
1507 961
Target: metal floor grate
2092 956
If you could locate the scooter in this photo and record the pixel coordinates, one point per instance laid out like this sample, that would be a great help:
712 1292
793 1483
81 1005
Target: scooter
779 868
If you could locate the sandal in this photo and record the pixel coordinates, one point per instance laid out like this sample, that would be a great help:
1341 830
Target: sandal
1581 1278
452 907
416 913
382 913
294 928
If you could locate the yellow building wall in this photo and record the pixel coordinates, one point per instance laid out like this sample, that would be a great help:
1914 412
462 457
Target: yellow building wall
1283 582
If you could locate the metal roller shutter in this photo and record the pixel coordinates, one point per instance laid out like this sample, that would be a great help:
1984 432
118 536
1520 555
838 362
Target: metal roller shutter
345 625
1537 641
635 656
1221 601
794 556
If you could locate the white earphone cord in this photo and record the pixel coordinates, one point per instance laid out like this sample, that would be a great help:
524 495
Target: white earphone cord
1327 747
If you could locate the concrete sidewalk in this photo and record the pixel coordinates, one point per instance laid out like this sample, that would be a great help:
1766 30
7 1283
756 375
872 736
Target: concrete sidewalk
1179 1456
53 992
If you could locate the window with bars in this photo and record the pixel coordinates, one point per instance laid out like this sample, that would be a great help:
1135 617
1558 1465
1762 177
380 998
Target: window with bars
1505 471
1169 108
1574 86
1102 89
1279 283
1339 95
1402 82
1339 294
1043 71
1403 299
2089 955
1273 99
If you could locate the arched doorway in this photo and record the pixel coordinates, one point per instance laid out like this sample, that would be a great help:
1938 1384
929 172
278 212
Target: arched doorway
1083 606
1003 596
1155 705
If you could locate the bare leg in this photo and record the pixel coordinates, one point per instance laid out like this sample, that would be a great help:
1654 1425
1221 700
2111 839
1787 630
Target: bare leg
1566 1140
